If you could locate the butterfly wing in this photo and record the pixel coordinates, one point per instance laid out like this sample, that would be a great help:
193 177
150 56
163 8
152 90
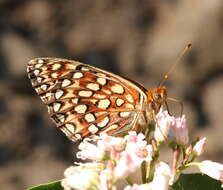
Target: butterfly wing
83 100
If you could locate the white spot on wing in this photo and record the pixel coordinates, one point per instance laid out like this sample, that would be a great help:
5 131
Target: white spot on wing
38 65
49 95
103 104
40 61
93 86
84 69
125 114
38 90
56 66
39 79
77 75
104 122
65 83
54 75
130 106
56 106
117 89
81 108
92 128
43 87
36 72
59 93
71 66
119 102
85 93
89 117
101 81
75 100
70 127
129 98
112 127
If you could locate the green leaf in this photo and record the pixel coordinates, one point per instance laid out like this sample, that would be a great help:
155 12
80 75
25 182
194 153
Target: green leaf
196 182
50 186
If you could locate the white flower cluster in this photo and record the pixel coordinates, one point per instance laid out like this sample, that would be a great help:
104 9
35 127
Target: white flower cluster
114 159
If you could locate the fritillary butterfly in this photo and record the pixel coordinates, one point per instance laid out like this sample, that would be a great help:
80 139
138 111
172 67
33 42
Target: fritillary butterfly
84 100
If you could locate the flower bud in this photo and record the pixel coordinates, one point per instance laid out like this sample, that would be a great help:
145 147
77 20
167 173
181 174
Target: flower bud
181 131
198 148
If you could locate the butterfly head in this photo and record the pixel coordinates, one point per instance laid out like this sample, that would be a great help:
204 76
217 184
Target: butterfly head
157 97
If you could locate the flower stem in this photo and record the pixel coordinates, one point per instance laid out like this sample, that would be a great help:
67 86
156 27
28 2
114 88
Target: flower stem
143 171
150 171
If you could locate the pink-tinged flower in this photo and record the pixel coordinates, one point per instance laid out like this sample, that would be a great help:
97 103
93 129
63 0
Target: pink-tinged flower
162 177
164 126
144 153
137 147
181 131
126 165
169 128
198 148
139 187
212 169
135 138
90 151
79 178
136 151
110 143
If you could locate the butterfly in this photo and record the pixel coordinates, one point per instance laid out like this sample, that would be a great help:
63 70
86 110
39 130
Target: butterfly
84 100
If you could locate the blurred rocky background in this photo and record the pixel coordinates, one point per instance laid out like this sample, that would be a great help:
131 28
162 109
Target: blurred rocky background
139 39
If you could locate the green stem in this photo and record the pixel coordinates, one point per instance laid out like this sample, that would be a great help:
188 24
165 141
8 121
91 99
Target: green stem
143 171
150 170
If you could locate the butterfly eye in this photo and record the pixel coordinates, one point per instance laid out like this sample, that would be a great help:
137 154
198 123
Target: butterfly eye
157 96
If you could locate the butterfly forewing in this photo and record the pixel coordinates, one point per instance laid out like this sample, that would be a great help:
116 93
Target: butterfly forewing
83 100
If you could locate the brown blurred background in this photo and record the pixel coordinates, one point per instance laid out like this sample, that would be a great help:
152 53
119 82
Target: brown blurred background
139 39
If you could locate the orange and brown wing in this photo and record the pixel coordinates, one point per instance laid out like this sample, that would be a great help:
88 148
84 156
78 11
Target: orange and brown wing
83 100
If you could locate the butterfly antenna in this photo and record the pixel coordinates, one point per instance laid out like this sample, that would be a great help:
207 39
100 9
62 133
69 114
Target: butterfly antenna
185 50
